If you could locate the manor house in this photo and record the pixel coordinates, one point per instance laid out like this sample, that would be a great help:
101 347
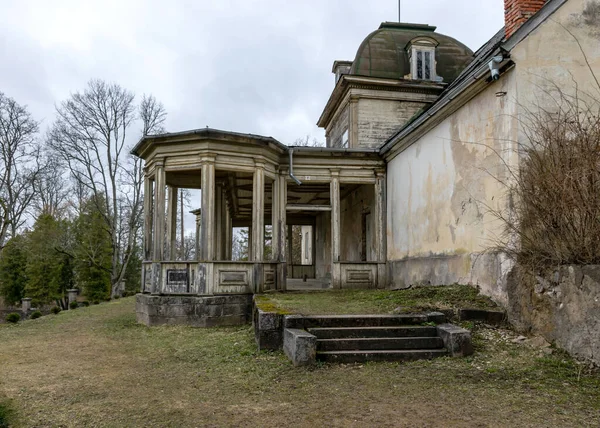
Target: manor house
421 133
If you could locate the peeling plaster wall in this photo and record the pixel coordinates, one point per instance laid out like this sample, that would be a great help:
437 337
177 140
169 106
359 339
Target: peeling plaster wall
360 201
379 119
550 55
439 190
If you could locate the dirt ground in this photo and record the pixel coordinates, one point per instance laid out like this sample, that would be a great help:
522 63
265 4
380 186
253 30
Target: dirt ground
96 367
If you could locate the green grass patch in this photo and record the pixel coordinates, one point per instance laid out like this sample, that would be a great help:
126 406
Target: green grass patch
377 301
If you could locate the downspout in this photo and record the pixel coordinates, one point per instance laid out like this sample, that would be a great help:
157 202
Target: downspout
291 151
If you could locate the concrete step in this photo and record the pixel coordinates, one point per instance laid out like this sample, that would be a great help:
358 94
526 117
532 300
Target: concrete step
359 320
380 343
380 355
344 332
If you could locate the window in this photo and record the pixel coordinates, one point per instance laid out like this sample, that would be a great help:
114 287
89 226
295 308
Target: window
424 65
421 52
345 137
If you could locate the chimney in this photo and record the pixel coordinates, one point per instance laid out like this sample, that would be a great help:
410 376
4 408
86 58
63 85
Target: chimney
517 12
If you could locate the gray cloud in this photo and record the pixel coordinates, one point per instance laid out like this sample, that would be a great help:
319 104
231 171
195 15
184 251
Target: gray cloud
259 66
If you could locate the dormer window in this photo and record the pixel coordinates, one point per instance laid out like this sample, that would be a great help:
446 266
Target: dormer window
421 53
424 64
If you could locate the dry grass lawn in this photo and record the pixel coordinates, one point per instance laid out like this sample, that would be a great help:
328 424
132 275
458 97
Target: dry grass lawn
96 367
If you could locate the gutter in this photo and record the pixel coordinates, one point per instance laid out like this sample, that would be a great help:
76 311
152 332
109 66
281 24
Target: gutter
291 152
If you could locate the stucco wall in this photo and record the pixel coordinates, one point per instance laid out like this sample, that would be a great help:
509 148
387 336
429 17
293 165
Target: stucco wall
552 54
439 190
337 128
379 119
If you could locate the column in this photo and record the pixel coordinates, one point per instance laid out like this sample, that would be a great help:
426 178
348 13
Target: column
335 229
159 214
380 233
147 218
218 222
172 222
228 231
258 213
207 221
275 222
158 240
282 216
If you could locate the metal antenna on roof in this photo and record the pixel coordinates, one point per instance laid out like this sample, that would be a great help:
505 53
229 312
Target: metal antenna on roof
399 10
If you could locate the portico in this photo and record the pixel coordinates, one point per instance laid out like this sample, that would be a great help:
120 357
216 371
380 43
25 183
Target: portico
253 181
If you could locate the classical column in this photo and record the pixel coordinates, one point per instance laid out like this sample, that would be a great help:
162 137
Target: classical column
207 227
218 222
380 233
159 214
147 218
282 216
172 222
158 241
258 213
275 221
228 224
335 228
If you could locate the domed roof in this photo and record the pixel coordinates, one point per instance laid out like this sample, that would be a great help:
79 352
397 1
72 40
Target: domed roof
383 53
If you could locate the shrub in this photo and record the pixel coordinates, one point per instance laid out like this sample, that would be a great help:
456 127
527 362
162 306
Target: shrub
85 303
13 317
116 296
73 305
553 216
35 315
55 310
95 302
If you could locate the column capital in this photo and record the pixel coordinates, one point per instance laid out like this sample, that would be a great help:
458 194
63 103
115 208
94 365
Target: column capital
208 159
335 172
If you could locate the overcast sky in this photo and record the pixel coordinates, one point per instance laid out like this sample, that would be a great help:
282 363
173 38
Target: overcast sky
256 66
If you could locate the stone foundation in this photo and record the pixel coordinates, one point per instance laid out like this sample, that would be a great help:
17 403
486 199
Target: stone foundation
195 311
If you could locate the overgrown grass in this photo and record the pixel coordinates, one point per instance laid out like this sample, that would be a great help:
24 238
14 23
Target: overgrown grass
380 301
97 367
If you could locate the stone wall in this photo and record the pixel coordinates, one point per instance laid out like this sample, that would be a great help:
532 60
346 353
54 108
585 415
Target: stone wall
195 311
563 307
379 119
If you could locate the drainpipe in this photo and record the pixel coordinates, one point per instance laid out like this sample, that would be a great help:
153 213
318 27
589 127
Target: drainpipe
291 151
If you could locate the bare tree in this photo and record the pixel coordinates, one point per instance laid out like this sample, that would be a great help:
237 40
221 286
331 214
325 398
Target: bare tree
53 189
19 165
90 135
307 141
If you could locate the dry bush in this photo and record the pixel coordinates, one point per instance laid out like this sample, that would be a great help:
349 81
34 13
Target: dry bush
554 217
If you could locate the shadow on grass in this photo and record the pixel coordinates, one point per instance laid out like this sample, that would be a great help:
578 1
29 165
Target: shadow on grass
7 413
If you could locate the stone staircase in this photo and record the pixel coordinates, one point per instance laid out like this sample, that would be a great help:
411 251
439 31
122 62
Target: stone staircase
361 338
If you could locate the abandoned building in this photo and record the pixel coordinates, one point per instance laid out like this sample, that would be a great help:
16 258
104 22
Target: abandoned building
418 130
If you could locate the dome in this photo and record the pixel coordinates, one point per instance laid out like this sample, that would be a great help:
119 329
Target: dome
384 52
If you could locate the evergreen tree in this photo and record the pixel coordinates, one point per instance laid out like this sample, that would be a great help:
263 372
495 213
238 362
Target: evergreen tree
49 268
93 251
13 262
133 271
